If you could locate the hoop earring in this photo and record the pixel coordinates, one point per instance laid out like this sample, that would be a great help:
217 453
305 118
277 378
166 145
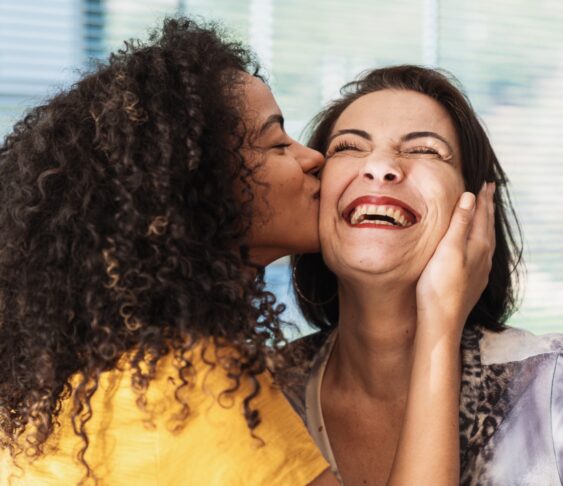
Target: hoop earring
298 290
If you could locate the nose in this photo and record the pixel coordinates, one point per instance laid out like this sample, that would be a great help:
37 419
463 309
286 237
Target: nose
311 160
384 170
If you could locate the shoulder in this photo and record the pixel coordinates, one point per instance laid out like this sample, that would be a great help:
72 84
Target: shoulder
309 348
514 344
519 403
309 352
216 443
510 388
148 441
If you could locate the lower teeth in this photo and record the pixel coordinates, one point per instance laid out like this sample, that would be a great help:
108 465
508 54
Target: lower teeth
378 222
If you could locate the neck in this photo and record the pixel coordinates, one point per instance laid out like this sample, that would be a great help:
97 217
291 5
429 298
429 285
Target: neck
374 351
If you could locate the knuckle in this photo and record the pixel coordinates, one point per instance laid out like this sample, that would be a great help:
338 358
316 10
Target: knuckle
464 216
481 244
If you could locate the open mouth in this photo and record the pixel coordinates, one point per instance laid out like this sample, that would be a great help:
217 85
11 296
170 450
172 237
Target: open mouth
380 211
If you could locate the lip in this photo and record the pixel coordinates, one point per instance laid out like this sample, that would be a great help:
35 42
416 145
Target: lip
380 201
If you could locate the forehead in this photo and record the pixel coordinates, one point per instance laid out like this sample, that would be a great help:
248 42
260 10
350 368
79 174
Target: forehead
397 111
258 101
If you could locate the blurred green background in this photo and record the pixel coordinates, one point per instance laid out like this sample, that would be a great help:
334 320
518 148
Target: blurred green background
508 55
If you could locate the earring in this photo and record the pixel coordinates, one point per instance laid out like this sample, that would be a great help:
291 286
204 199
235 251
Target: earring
298 290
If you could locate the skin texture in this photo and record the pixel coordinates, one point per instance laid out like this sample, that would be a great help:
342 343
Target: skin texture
427 176
286 188
404 294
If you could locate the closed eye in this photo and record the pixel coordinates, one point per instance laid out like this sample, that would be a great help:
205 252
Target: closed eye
281 146
423 150
343 146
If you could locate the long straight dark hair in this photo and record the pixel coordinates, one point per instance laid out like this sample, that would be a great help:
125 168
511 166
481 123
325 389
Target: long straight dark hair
317 296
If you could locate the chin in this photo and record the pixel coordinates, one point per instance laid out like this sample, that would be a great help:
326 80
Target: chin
357 262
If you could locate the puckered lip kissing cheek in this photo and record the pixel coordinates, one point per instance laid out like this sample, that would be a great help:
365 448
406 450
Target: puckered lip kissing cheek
382 212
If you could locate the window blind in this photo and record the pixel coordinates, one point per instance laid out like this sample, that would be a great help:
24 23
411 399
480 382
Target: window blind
40 46
509 57
507 54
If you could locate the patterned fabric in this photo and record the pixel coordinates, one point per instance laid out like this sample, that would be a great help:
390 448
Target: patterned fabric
511 407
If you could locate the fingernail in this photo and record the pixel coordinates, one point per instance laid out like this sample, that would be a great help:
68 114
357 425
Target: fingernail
493 187
467 200
484 186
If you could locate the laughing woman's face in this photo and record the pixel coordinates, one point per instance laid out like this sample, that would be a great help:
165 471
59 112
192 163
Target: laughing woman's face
389 186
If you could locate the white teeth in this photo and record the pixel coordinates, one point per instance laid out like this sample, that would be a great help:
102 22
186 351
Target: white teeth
358 215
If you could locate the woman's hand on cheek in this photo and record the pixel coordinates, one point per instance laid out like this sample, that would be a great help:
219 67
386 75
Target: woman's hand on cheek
458 271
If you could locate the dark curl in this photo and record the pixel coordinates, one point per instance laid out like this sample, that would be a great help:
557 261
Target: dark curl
479 164
122 232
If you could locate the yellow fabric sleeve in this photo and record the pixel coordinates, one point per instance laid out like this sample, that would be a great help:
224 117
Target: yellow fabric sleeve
215 447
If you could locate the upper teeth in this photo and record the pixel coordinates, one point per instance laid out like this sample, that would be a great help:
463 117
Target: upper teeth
359 213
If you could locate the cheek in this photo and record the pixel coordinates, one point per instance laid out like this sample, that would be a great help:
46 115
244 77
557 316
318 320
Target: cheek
441 198
453 191
443 186
326 218
285 177
333 185
335 179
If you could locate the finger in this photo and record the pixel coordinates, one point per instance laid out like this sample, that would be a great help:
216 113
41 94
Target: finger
480 228
462 218
481 242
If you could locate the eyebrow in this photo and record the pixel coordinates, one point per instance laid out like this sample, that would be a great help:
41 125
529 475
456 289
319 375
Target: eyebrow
353 131
414 135
272 120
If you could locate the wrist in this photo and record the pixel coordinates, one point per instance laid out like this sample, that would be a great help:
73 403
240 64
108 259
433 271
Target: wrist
439 362
439 320
437 336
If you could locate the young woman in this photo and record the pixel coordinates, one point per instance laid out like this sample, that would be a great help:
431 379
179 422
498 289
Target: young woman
138 209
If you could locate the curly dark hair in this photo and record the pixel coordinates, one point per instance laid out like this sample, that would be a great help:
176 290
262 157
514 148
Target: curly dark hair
122 232
479 164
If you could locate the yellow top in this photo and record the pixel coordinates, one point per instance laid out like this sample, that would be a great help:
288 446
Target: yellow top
214 448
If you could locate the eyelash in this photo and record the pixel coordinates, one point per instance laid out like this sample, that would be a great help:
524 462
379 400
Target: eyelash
424 150
347 145
344 145
281 146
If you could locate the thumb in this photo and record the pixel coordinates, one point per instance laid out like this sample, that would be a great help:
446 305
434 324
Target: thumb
462 217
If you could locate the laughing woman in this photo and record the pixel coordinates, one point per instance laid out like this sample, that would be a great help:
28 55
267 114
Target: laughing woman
401 146
137 211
